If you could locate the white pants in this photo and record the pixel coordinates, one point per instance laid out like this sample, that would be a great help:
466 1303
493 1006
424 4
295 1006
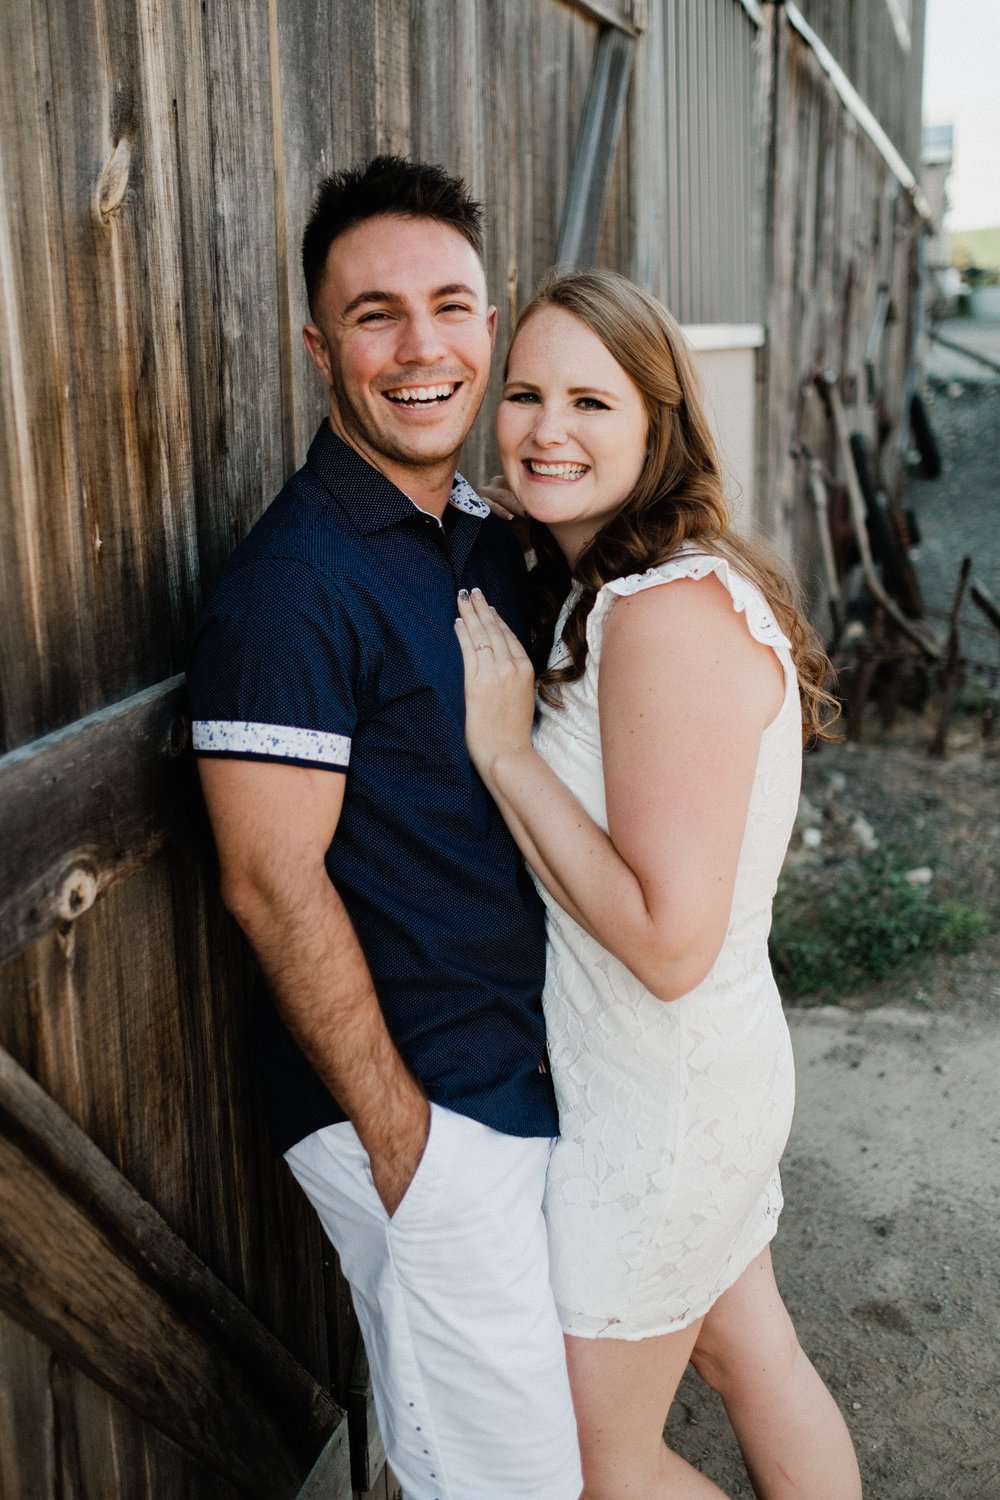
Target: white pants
453 1298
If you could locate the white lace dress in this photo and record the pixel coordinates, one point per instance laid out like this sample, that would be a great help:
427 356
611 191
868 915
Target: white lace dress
663 1185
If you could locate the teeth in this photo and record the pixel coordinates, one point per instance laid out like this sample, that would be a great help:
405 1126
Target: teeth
421 392
557 471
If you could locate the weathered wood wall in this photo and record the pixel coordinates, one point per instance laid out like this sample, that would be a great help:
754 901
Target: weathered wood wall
841 230
156 167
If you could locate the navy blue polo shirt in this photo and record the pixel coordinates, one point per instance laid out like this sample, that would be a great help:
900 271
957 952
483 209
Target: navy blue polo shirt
329 641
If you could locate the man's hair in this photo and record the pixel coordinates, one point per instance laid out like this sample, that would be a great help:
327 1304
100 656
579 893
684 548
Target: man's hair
385 185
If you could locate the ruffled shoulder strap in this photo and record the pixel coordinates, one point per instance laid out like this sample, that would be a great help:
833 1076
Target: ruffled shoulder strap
690 563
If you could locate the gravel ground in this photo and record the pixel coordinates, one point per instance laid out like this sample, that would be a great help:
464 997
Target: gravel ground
959 513
889 1245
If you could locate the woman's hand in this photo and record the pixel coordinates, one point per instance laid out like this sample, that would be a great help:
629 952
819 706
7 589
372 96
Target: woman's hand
500 499
499 685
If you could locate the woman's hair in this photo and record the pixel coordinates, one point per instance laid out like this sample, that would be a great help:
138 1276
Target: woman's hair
677 498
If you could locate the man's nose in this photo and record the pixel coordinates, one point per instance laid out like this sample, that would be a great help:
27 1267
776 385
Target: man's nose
421 341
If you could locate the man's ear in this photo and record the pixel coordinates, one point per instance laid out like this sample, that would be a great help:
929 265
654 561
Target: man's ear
319 350
491 323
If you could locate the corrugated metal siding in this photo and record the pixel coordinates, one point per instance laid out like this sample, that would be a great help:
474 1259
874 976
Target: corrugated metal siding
699 169
880 45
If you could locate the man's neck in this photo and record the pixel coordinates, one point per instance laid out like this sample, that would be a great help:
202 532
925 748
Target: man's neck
429 487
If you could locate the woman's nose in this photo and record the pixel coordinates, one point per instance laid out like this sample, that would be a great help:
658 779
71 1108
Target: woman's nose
550 429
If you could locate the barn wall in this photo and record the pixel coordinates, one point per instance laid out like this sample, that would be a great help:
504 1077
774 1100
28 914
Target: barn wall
842 228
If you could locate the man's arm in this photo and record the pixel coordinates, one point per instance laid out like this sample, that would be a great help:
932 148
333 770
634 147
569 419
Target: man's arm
273 825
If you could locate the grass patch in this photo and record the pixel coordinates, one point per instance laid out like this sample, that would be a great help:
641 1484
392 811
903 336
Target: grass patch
870 925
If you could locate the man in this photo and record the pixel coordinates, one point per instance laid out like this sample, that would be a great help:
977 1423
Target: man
373 876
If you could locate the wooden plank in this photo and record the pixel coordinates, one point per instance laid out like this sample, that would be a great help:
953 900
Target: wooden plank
86 806
367 1448
39 535
330 1476
62 1434
246 301
88 1266
150 995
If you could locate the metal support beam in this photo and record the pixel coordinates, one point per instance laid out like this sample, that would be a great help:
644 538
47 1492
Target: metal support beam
858 109
628 17
600 128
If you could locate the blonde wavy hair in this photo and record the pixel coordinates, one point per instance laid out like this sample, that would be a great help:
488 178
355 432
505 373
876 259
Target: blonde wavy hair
678 497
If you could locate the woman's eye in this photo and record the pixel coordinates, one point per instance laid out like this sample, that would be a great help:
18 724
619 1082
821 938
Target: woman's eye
522 398
591 403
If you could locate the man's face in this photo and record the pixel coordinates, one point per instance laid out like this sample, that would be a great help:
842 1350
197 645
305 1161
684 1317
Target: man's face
403 337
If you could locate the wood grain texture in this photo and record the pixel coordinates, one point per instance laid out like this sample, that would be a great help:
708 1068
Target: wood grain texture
87 1265
87 806
62 1434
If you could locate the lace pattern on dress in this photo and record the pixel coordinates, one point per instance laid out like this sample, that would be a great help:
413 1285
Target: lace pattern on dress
687 562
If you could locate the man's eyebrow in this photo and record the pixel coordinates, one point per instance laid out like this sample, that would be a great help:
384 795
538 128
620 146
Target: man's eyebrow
453 289
372 296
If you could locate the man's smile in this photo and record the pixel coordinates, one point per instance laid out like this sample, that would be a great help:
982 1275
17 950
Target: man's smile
422 395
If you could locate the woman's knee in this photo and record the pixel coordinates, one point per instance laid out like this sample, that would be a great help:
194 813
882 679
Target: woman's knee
739 1349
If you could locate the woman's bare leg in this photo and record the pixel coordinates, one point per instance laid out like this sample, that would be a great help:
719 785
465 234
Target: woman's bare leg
622 1392
793 1438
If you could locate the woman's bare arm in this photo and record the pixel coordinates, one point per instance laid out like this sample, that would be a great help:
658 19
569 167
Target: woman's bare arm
685 694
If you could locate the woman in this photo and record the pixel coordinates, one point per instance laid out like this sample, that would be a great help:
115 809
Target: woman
654 808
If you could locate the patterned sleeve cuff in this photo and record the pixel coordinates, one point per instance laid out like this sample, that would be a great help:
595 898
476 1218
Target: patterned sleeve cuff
279 742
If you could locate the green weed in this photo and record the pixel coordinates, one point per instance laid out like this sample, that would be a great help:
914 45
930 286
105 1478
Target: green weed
870 925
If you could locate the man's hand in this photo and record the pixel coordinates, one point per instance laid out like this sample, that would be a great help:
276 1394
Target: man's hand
395 1166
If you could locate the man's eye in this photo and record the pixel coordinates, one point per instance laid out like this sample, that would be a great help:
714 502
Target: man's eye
455 307
373 317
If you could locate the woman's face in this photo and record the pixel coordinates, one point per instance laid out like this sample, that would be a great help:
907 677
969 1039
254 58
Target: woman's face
571 428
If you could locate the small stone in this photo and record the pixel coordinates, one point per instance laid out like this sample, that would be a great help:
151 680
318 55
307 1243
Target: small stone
856 1405
865 834
922 875
811 838
837 782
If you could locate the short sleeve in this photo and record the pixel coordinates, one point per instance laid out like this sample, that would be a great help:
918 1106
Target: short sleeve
275 668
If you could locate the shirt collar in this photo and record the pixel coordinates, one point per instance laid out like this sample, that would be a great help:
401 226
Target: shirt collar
373 502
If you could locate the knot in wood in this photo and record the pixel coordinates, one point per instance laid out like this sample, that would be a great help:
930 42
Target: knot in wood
113 182
178 735
76 895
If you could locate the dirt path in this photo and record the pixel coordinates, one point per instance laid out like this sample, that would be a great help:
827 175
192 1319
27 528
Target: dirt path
888 1249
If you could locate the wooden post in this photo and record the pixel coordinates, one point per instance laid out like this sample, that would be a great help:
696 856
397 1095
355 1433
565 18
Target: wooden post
951 671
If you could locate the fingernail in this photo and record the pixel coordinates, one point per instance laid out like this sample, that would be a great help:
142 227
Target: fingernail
463 593
478 592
